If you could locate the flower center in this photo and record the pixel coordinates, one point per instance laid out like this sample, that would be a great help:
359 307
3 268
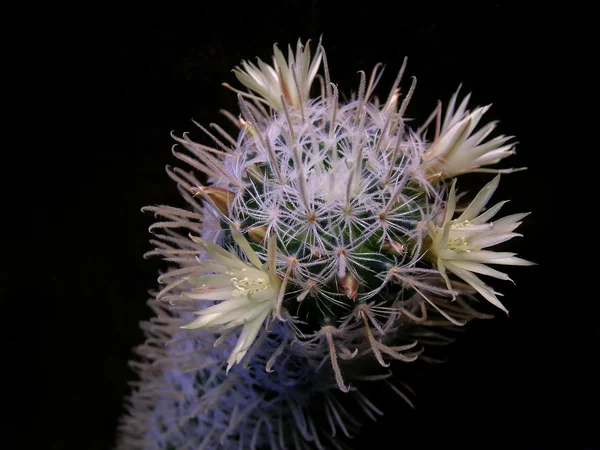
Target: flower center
459 243
248 286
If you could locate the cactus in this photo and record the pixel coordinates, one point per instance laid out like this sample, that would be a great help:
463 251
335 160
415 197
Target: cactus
322 248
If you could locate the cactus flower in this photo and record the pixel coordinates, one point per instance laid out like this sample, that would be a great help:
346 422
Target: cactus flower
458 245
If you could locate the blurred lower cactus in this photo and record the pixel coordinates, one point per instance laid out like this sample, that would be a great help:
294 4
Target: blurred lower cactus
324 245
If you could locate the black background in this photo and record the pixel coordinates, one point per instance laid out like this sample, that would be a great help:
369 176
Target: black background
102 101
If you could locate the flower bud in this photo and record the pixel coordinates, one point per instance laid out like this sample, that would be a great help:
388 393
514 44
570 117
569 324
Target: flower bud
393 247
349 286
219 198
257 234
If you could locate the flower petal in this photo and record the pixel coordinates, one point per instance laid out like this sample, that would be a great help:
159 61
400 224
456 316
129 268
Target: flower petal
476 267
245 246
247 337
480 287
480 200
210 293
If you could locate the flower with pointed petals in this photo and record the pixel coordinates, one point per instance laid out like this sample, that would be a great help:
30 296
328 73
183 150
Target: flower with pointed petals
290 80
458 149
247 293
458 245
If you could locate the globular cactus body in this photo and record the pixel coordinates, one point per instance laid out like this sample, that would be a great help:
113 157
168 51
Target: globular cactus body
322 247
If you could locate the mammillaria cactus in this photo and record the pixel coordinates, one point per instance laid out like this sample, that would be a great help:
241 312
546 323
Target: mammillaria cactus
324 245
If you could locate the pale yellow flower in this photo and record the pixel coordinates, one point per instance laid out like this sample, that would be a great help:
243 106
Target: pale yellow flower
289 79
459 149
458 245
247 292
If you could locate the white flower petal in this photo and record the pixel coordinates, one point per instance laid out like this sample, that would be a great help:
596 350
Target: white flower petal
484 132
245 246
236 317
202 321
491 212
476 267
219 254
512 261
232 303
485 241
486 256
509 223
210 293
214 280
480 200
481 287
247 337
265 295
